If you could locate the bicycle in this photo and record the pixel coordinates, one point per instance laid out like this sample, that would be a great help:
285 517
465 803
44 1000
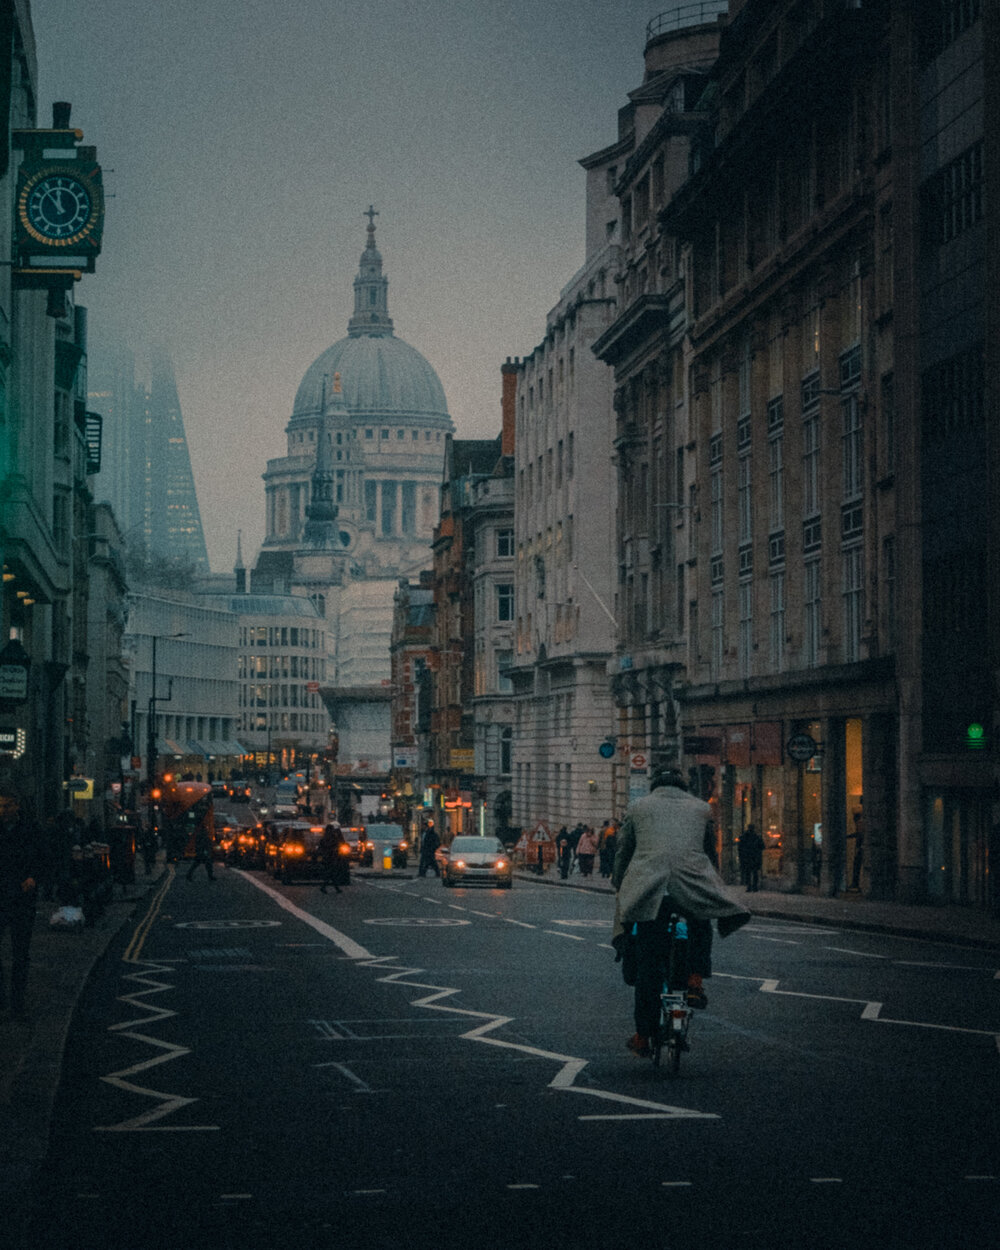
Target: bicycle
675 1015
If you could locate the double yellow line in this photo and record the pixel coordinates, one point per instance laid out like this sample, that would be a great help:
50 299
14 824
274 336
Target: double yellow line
134 948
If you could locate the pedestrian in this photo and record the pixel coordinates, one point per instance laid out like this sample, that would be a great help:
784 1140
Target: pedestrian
564 852
203 850
606 855
752 856
21 855
664 866
429 844
859 848
336 865
586 851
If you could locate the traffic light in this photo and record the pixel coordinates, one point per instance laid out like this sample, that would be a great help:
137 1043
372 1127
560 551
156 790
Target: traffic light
975 736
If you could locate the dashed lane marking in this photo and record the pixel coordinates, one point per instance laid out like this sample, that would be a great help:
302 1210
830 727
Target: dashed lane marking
573 937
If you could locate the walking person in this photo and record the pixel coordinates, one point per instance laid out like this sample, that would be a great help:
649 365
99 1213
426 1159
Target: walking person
202 853
429 844
21 857
336 866
752 856
664 866
564 852
586 851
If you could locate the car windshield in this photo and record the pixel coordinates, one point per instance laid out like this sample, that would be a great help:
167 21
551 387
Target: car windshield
469 846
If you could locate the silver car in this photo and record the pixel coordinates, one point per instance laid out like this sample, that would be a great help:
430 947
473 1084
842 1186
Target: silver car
477 860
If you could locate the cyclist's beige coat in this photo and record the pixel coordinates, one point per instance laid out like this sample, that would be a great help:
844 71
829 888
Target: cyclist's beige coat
661 849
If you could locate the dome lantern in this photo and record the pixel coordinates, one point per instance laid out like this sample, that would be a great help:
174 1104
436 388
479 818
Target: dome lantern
371 289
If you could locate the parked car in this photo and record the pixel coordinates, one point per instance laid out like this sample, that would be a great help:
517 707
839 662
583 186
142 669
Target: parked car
475 860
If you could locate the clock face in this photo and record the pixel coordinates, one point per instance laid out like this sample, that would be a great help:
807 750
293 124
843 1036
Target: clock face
58 208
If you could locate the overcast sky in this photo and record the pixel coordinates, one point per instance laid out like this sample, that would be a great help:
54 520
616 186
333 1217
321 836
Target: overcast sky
242 140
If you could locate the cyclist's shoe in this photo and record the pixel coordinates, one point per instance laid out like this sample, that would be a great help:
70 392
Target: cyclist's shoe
695 996
639 1046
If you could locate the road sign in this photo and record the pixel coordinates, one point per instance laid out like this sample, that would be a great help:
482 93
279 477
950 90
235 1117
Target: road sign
606 750
801 747
639 760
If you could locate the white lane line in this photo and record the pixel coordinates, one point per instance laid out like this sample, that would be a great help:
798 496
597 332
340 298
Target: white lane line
827 1180
346 944
524 1186
677 1184
777 941
844 950
353 1077
521 924
490 915
571 1065
573 937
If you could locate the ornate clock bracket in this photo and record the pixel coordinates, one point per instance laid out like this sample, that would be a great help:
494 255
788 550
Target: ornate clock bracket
58 209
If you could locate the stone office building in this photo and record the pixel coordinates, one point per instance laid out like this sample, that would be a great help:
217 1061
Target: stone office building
836 599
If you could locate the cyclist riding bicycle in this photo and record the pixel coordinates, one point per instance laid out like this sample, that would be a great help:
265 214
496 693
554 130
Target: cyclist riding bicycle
664 866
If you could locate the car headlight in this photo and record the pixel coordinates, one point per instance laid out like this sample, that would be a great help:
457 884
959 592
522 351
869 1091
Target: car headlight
294 850
459 863
501 863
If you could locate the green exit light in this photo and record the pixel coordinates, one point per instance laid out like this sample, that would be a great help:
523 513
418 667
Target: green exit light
975 735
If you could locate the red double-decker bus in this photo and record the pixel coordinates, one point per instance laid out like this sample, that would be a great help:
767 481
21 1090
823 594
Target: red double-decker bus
184 807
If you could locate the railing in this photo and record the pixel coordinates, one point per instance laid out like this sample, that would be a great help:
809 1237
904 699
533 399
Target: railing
681 15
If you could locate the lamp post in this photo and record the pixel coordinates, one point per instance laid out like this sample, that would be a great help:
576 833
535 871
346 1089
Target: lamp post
151 752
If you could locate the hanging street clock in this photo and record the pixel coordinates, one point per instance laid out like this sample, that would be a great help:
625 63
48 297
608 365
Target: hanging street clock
58 206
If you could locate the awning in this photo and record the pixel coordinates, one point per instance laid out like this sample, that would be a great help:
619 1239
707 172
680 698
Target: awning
167 746
224 746
196 748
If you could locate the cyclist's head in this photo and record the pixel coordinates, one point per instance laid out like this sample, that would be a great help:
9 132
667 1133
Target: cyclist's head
668 777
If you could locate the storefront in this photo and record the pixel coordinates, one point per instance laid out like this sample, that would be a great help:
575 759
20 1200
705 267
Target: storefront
818 790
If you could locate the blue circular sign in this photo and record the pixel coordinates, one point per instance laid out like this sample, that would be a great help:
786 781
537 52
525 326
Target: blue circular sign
606 750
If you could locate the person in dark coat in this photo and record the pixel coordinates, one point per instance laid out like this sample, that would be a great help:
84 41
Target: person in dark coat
429 843
336 866
564 852
203 851
752 857
21 858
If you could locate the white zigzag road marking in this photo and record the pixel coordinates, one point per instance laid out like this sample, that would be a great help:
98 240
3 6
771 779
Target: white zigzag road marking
571 1067
168 1103
870 1010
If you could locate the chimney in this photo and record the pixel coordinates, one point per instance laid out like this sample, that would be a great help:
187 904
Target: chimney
61 110
508 404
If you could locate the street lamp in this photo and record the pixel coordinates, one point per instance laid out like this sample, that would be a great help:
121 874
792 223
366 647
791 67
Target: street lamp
151 752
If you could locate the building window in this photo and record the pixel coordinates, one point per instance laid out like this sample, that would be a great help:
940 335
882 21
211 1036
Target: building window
952 201
505 543
852 445
854 603
718 633
812 603
715 485
746 627
775 472
942 21
953 396
777 621
744 491
889 578
506 749
810 463
505 601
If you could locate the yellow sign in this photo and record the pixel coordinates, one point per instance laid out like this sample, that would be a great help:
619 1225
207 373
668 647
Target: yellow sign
462 760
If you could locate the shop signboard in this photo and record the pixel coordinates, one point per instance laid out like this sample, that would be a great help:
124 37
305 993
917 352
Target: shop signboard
801 747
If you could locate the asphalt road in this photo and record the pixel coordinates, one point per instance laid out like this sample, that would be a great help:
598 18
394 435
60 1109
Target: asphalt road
262 1065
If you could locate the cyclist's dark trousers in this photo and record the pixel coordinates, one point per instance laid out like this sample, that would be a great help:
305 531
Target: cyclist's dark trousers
653 956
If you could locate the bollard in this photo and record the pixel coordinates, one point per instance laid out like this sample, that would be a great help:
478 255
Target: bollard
387 858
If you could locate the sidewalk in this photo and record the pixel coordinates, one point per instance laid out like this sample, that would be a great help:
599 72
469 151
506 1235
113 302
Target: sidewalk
960 926
31 1052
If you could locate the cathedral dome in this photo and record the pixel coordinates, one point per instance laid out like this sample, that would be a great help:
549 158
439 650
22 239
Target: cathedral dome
380 375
